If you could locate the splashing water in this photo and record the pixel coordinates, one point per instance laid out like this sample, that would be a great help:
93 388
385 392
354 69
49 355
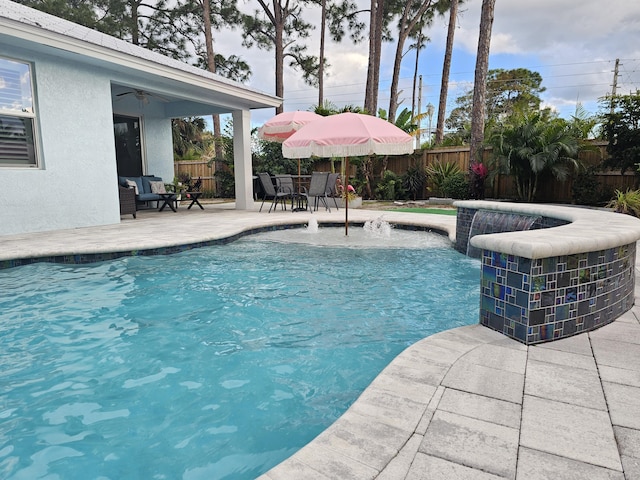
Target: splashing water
378 227
312 227
374 234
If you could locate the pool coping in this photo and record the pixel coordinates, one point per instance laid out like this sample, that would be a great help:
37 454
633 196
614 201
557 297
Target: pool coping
469 403
92 244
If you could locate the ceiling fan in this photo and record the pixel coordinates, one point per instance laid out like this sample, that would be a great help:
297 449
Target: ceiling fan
143 96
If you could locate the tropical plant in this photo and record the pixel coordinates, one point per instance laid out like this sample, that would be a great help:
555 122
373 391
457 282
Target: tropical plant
187 136
587 190
414 181
531 147
439 172
390 187
626 202
404 121
478 172
456 186
622 130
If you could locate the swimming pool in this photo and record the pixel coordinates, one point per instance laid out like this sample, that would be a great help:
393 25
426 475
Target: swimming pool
214 363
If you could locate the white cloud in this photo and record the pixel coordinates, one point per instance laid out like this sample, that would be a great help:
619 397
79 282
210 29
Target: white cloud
573 45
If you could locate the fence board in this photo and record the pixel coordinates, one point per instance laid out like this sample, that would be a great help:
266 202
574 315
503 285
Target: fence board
198 169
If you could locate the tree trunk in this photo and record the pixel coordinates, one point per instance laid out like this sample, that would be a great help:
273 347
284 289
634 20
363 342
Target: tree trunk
135 39
407 24
368 96
321 65
480 80
376 67
415 75
279 48
397 62
211 66
446 68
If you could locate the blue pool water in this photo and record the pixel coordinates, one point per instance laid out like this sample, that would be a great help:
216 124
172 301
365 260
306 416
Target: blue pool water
219 362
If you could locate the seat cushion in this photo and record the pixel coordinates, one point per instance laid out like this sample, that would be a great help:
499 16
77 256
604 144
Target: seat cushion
148 197
146 183
158 187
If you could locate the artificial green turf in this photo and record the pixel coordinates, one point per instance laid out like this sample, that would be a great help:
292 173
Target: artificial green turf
439 211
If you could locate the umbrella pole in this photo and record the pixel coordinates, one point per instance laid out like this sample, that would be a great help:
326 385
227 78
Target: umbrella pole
346 197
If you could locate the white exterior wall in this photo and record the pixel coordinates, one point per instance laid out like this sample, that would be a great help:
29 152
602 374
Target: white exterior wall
158 147
75 184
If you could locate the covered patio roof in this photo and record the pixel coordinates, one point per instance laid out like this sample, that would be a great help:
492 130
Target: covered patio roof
186 89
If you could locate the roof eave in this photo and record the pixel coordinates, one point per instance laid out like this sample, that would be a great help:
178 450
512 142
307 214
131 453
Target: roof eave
35 34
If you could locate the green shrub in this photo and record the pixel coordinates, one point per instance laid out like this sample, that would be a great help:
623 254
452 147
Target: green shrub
414 181
626 202
390 187
456 186
439 172
227 184
586 190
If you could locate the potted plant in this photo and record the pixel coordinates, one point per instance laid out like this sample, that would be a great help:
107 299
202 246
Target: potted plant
349 195
181 184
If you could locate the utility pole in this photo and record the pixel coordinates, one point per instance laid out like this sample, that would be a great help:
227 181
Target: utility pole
419 112
615 83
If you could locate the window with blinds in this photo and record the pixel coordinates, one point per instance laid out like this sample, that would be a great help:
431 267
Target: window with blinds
17 115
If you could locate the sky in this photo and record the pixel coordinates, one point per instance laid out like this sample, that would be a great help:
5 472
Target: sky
573 45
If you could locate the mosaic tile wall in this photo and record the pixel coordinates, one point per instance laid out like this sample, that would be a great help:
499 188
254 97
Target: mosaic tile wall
546 299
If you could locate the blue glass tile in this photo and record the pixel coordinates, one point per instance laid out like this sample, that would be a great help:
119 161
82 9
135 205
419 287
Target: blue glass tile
539 283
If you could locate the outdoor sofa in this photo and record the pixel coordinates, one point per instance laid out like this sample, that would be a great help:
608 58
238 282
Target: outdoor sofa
147 187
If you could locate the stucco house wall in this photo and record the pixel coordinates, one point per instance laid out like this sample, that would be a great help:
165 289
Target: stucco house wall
75 185
78 77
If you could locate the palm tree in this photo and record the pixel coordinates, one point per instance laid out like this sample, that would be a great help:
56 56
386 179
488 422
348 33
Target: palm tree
446 68
480 80
531 147
479 94
187 135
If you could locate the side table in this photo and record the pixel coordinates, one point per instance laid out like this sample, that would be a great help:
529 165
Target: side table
168 199
194 196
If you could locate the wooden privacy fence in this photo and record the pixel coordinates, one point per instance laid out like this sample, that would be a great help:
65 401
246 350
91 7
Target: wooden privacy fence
198 168
549 190
503 187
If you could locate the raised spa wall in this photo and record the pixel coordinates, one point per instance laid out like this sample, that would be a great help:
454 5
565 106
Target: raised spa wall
570 273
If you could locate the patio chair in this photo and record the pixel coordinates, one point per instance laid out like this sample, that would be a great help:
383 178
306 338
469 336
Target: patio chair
285 183
331 188
270 191
317 190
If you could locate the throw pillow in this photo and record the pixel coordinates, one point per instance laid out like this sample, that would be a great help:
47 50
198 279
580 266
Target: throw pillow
157 187
134 185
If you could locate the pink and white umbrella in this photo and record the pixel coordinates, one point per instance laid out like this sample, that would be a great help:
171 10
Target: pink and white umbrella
285 124
347 135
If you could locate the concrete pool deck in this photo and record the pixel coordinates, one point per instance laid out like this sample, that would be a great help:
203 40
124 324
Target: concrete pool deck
466 403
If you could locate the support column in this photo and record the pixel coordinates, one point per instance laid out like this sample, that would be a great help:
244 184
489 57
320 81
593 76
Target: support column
242 159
